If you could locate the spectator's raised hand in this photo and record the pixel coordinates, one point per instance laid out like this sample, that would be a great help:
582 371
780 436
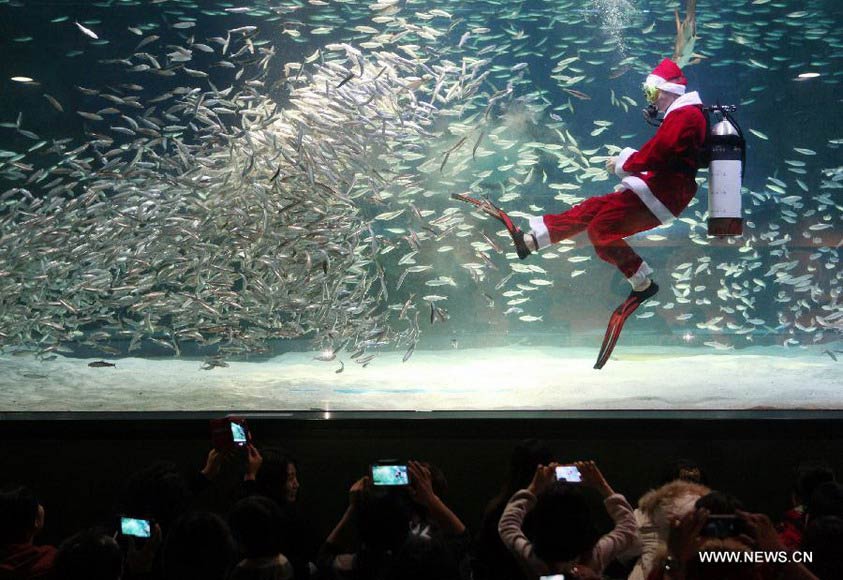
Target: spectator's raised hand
684 539
421 483
544 477
139 562
215 461
253 462
592 477
760 532
357 489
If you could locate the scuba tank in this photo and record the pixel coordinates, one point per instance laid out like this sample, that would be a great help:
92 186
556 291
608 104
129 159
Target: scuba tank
725 151
724 154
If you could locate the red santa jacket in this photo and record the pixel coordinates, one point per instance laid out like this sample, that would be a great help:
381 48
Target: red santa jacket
662 172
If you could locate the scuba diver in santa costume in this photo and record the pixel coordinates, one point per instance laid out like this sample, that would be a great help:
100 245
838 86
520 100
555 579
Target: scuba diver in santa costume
658 183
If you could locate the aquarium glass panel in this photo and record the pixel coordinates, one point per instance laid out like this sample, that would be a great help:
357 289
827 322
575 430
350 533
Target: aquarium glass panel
420 205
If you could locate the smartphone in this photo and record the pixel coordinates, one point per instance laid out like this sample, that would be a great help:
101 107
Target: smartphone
722 526
135 527
229 432
568 473
393 474
239 434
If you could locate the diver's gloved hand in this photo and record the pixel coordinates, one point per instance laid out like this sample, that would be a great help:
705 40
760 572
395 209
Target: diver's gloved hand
611 162
521 247
531 242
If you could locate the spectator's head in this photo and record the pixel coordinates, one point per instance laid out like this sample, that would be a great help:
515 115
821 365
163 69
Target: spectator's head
424 558
383 520
808 477
158 492
257 523
528 454
827 500
686 470
719 503
823 538
709 570
198 545
560 525
89 555
21 516
278 477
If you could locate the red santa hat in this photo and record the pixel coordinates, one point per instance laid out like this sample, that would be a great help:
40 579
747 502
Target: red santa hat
668 77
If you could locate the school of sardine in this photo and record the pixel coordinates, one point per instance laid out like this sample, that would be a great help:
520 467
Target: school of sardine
258 197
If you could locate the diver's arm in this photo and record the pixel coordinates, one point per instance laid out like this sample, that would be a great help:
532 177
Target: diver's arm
677 133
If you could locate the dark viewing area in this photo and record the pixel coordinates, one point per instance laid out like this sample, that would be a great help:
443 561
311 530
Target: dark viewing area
79 466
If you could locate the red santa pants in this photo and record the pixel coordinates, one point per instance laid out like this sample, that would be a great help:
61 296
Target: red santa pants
608 219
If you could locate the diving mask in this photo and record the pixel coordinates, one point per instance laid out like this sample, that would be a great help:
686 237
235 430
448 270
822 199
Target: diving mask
651 93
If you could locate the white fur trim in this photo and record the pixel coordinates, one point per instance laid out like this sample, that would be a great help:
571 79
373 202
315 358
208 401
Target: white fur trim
654 204
663 85
674 88
540 231
640 275
621 160
692 98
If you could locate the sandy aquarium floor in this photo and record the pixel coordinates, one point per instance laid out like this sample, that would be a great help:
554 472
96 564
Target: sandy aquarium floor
511 378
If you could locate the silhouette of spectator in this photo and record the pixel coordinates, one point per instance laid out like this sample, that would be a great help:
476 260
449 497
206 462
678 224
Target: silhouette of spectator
687 542
159 492
491 560
561 529
374 528
424 558
258 525
808 477
89 555
21 519
198 545
273 473
827 500
823 538
656 511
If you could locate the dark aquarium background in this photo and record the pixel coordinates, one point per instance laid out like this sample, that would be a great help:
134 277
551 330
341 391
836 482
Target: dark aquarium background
246 205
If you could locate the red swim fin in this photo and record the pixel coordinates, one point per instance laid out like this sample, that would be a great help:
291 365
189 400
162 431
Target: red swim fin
617 320
514 232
